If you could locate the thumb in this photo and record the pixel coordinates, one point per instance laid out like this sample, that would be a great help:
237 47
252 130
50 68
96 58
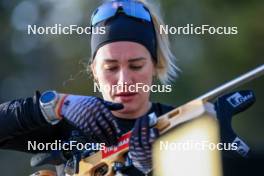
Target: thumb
113 106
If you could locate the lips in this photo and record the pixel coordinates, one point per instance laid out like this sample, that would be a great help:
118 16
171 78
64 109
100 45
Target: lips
125 96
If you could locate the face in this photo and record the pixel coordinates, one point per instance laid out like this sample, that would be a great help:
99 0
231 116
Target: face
118 67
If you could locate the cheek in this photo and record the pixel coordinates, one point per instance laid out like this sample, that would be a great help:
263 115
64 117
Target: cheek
105 81
102 76
106 78
145 76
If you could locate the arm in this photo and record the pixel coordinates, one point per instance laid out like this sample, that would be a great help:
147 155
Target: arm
22 120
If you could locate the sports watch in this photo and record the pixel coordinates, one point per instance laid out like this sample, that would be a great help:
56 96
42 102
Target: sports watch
48 101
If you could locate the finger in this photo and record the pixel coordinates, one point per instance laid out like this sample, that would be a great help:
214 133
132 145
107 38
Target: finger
132 147
99 126
136 133
105 138
113 106
95 129
131 144
145 133
107 129
153 134
86 119
153 119
89 132
96 133
111 121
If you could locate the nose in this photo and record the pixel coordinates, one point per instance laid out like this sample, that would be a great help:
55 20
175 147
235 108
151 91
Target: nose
124 77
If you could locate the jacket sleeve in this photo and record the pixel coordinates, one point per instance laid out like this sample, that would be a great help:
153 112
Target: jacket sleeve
22 120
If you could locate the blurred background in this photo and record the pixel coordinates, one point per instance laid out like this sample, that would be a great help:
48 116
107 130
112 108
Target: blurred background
41 62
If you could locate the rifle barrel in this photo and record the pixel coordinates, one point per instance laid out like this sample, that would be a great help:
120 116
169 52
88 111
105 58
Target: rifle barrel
253 74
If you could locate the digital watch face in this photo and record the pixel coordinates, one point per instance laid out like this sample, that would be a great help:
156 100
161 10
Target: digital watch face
47 97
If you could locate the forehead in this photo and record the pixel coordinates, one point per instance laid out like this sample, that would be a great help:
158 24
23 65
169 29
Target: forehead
122 50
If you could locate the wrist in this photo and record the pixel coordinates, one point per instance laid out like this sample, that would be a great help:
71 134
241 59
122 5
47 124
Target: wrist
50 105
59 105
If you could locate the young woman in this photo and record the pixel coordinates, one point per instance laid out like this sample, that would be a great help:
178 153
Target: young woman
130 51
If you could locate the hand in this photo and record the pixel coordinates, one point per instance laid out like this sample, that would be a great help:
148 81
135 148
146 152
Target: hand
92 116
140 144
226 107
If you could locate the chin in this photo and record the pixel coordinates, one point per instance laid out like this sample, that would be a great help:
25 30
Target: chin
128 108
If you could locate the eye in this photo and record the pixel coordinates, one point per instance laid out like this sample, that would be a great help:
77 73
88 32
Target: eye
136 67
110 68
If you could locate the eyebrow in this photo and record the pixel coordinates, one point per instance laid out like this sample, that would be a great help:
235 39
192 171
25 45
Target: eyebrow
129 60
136 59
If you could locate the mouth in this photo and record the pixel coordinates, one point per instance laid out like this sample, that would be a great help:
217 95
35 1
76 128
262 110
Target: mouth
125 96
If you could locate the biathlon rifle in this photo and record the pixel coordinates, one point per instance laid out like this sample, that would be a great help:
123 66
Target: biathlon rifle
113 160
